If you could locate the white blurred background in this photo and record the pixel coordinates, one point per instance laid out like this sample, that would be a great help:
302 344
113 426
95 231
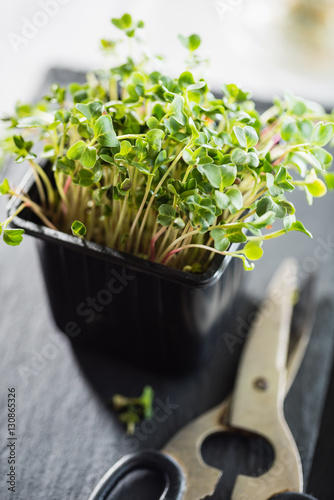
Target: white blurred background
268 46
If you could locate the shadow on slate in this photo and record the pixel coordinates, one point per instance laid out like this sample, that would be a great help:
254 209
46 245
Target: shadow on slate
193 393
197 392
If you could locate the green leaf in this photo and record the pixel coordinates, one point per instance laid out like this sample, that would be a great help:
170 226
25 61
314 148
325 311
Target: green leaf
85 131
178 223
228 174
87 177
235 197
152 122
108 45
236 235
174 186
154 138
188 188
329 178
323 156
123 22
322 134
282 179
241 136
314 161
78 228
289 129
239 156
161 158
191 42
267 204
221 242
296 105
63 116
264 220
75 151
96 109
194 131
19 141
4 187
84 109
185 79
305 128
88 157
188 157
31 122
92 110
196 86
288 221
104 132
107 159
251 136
299 161
80 95
146 401
202 212
222 200
213 174
273 189
126 147
167 214
13 237
253 251
177 110
252 159
65 165
288 206
298 226
48 151
316 187
125 185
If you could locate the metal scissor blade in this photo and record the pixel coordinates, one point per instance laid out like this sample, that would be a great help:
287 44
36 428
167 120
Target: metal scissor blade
261 377
301 328
257 403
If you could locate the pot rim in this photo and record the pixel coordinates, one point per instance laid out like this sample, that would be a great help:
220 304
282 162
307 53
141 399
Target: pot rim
205 279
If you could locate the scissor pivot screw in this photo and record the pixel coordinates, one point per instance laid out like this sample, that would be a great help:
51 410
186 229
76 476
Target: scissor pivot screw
261 384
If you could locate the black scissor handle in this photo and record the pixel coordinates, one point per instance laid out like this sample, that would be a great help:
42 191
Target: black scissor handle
151 460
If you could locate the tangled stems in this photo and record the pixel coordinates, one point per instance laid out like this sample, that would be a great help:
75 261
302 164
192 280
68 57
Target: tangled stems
168 171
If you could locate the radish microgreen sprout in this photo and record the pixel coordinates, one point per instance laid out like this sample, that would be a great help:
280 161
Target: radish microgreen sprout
160 167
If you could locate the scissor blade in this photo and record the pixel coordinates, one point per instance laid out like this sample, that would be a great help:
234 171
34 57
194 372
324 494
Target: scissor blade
261 378
301 327
257 403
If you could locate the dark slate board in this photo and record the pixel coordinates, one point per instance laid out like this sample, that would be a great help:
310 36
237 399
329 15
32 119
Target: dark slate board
67 435
321 482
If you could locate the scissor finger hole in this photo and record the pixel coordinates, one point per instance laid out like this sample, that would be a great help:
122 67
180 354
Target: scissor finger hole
236 453
139 484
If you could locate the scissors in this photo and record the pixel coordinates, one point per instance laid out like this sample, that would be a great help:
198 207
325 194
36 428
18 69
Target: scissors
268 366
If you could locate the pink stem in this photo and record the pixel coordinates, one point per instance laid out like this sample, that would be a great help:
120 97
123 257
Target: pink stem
276 140
167 257
278 161
67 184
153 241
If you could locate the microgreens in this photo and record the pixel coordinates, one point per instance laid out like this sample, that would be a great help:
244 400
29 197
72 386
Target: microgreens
161 168
132 410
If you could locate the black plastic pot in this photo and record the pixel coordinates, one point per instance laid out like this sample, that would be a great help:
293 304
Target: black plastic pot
146 313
